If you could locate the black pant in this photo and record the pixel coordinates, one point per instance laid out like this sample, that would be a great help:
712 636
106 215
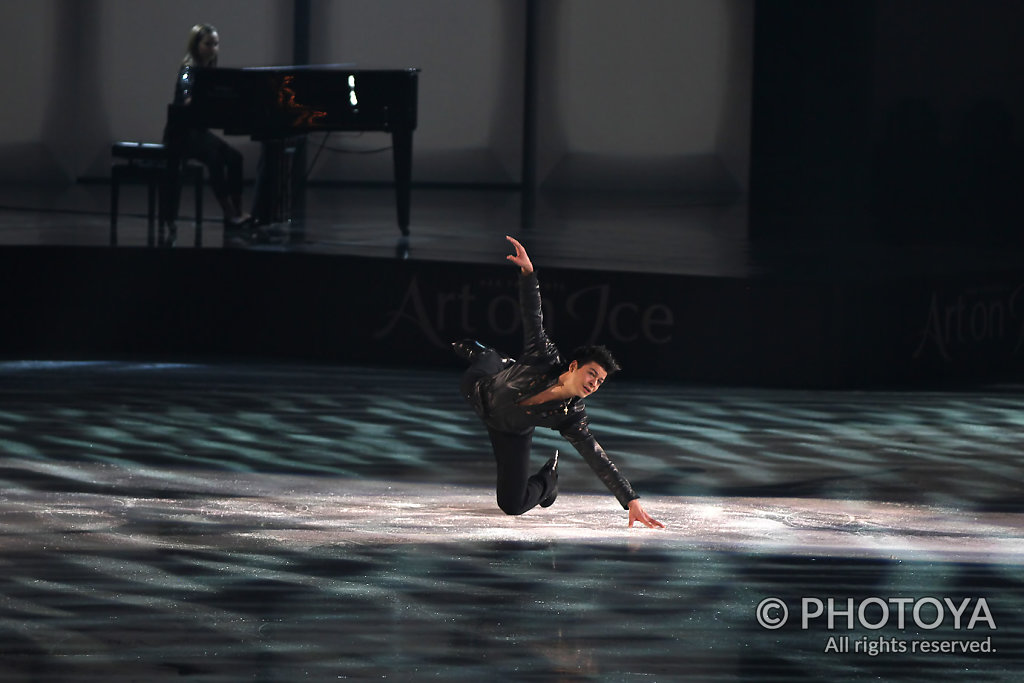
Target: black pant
517 490
223 162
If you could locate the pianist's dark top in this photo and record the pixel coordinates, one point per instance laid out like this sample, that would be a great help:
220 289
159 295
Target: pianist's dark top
183 86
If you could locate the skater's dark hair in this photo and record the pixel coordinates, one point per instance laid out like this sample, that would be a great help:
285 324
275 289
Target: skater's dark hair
596 354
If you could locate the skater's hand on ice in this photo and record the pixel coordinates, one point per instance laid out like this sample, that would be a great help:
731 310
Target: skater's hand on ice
638 514
520 258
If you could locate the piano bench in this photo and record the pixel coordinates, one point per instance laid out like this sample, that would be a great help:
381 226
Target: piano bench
148 163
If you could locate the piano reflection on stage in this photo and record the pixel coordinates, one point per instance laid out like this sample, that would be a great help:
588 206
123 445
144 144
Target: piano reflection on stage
273 104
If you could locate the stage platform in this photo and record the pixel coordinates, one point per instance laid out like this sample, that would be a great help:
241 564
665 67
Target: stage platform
651 233
281 522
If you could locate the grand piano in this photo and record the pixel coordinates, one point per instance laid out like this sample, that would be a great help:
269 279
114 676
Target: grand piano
273 104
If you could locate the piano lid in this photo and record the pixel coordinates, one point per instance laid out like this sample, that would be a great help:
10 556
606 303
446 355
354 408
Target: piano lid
274 101
344 66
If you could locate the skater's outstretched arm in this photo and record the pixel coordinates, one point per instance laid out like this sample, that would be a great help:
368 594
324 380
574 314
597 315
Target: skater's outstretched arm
535 339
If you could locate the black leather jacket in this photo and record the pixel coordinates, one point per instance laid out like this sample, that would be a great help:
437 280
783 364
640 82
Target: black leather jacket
496 397
182 139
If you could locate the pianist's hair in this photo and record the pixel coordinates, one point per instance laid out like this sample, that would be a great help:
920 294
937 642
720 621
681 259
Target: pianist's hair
196 36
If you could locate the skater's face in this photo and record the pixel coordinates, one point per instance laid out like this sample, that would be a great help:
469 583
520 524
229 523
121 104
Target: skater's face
585 379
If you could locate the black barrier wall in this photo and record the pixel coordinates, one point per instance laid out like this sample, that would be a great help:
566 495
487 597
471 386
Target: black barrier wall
191 304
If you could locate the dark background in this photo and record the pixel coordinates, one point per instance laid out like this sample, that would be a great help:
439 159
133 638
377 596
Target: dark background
884 211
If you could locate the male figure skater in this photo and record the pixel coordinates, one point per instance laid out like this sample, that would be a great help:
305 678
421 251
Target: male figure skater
513 397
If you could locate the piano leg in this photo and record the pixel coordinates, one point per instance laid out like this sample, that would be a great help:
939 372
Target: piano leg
401 145
272 196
